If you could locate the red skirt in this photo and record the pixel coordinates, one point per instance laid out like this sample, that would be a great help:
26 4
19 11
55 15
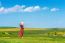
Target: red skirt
21 32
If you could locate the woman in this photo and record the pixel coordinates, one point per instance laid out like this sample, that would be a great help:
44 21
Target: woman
21 32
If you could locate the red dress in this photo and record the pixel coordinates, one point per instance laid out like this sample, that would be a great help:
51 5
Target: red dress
21 32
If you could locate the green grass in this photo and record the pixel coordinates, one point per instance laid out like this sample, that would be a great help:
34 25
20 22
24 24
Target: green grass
32 36
32 40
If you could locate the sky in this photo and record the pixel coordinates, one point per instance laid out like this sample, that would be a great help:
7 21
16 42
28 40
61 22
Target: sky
34 13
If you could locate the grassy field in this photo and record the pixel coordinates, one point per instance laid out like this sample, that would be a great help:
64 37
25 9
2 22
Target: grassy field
32 35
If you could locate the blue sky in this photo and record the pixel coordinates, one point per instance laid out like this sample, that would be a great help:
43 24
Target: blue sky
34 13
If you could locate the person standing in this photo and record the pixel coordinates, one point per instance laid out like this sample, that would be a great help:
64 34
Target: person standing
21 32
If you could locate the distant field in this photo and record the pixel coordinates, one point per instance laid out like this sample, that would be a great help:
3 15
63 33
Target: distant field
32 35
17 29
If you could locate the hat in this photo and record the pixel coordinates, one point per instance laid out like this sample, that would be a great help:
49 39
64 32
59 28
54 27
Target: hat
21 23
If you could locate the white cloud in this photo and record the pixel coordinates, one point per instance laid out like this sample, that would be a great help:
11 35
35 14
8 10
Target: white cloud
32 9
15 8
45 8
54 9
28 9
36 8
18 8
23 8
1 9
